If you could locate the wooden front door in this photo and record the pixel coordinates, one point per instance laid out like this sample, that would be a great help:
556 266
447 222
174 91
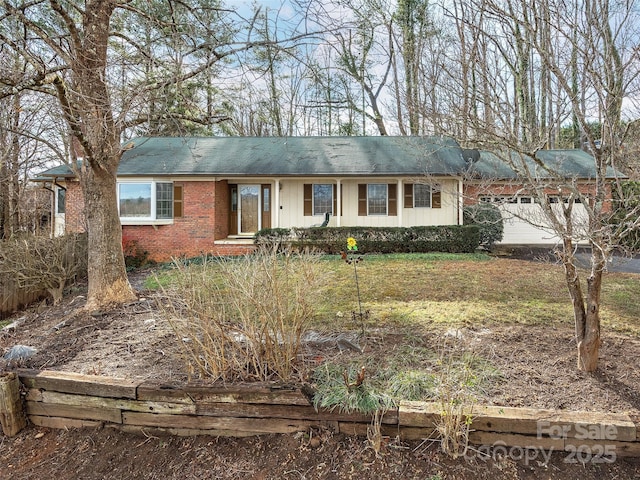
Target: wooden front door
250 208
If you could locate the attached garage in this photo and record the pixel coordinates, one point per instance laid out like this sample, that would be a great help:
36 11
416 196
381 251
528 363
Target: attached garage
525 223
557 174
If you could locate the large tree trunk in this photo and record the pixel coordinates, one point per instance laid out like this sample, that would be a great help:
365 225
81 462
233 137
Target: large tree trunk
108 282
91 119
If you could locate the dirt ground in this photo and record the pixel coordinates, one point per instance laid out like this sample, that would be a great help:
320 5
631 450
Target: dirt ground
105 454
135 342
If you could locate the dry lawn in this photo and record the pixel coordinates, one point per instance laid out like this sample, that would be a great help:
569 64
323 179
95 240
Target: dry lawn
510 318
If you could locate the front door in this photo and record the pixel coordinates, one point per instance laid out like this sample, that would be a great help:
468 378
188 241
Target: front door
249 211
250 208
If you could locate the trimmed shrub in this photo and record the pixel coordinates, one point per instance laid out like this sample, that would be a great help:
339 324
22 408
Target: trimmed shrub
489 219
273 238
445 238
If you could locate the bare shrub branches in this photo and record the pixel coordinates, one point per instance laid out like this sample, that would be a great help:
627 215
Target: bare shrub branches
243 319
38 264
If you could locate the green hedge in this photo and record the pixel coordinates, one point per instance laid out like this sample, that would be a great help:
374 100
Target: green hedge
445 238
488 217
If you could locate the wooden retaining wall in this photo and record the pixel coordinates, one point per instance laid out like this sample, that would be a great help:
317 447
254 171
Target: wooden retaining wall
12 297
69 400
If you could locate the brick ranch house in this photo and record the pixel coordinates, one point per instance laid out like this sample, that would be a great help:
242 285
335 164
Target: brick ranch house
187 196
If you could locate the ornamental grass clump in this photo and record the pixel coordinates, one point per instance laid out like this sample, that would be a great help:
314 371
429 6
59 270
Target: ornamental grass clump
457 381
350 390
244 318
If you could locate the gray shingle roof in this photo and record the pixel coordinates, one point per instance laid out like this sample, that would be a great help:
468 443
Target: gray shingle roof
292 156
326 156
55 172
563 163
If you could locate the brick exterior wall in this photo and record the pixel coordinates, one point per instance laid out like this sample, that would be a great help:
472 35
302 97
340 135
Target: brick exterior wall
74 220
205 219
472 192
222 205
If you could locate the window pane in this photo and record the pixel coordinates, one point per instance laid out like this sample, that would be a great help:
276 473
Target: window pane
421 195
266 197
377 199
62 195
164 200
234 199
322 198
135 199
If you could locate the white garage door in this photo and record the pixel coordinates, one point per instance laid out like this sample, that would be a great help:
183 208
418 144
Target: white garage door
525 224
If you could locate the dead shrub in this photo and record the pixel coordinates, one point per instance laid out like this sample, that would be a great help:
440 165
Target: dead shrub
41 264
243 318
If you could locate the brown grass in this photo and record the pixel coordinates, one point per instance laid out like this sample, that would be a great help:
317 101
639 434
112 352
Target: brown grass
419 290
416 291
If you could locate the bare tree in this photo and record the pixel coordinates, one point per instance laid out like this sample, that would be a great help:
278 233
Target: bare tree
596 38
68 55
10 166
25 124
354 77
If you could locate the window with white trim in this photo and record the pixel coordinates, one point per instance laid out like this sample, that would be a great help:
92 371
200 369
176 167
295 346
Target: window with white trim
421 195
377 196
145 200
322 198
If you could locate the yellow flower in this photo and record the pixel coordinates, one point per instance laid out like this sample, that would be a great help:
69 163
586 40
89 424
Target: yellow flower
351 244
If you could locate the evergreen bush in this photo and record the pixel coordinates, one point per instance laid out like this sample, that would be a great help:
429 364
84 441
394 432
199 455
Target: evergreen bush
488 218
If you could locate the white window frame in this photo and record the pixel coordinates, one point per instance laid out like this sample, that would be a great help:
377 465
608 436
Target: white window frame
416 185
386 209
313 199
147 220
